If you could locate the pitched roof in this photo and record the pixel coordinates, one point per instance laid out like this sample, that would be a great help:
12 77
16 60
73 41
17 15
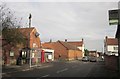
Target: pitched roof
25 31
47 45
77 43
112 41
51 45
68 46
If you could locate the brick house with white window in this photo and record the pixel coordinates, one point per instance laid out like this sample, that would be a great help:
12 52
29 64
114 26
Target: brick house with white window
64 50
111 46
111 53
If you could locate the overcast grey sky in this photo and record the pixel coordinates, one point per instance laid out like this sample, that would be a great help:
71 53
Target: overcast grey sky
68 20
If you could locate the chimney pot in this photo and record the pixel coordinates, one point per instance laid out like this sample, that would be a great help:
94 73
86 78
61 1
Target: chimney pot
65 40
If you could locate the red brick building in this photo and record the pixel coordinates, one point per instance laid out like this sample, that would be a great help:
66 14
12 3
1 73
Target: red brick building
11 54
79 44
63 50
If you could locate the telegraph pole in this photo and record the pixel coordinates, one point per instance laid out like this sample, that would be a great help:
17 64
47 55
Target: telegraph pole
118 37
30 16
114 19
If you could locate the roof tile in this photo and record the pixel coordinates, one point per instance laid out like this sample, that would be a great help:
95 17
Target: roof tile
112 41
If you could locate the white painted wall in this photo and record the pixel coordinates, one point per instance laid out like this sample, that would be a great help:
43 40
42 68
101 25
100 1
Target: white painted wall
82 48
50 50
109 50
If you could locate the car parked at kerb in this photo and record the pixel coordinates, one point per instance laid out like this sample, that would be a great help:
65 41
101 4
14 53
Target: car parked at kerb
85 58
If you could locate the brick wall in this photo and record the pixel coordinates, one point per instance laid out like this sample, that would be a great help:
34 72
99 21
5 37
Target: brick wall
71 54
6 49
34 39
74 54
65 54
60 50
79 54
111 62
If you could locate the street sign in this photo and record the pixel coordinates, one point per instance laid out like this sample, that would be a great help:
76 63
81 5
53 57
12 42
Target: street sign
113 17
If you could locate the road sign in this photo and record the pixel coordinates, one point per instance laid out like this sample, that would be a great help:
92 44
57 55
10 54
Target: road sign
113 17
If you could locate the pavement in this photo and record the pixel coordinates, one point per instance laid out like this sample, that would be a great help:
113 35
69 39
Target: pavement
99 70
17 68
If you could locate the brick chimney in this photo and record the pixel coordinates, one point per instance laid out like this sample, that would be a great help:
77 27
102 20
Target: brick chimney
106 37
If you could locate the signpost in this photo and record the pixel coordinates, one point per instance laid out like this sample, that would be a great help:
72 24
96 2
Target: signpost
114 19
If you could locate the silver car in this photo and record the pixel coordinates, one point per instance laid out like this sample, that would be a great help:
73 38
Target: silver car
93 59
85 58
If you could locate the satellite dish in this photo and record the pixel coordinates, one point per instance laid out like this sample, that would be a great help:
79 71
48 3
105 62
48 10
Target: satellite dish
37 34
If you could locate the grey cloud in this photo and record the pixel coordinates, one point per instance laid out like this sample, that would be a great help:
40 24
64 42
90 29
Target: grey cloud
69 20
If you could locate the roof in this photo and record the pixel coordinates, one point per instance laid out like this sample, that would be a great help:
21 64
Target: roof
77 43
25 31
68 46
47 45
111 41
50 45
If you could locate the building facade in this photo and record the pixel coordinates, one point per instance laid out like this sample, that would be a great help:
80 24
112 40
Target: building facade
64 50
79 44
30 50
111 46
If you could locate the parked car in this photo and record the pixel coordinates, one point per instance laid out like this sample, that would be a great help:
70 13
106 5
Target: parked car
93 59
86 58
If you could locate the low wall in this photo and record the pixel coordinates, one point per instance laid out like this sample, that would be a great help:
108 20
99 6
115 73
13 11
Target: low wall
111 62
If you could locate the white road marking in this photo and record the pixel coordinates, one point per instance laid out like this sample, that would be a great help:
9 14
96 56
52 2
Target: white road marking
62 70
9 72
26 70
15 71
45 75
85 62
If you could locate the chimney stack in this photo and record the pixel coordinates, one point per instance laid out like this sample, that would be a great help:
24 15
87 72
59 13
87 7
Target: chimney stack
65 40
50 40
82 39
30 16
106 37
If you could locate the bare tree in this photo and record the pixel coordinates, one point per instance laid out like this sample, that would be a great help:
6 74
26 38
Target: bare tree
7 18
9 26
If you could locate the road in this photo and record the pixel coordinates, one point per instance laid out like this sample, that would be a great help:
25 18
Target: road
67 69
